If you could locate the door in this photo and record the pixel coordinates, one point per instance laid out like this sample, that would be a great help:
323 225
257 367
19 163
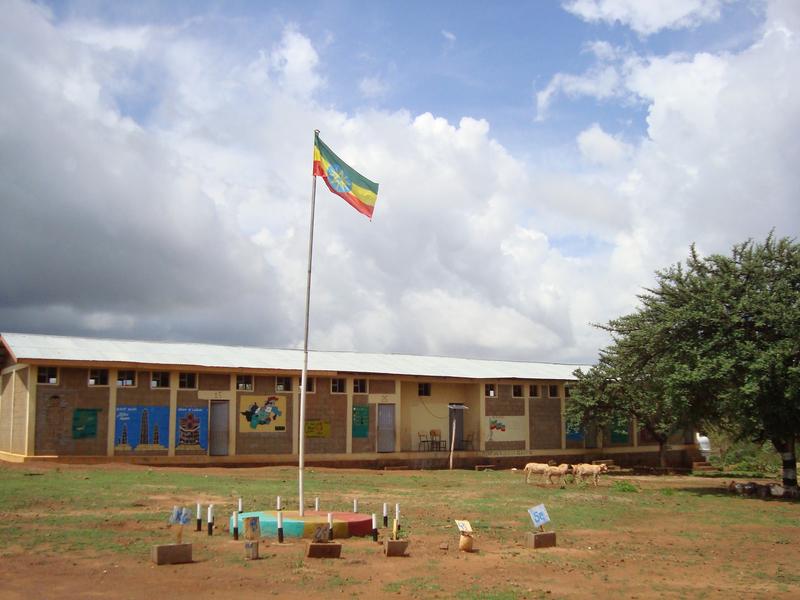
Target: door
218 429
385 427
457 415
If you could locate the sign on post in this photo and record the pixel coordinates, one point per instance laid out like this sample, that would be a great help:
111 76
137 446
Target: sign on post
464 526
539 515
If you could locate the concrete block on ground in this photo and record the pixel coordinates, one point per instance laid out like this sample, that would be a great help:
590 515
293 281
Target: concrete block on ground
324 550
251 550
541 539
171 554
396 547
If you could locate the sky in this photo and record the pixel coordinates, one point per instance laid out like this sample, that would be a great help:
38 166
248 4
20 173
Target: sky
538 162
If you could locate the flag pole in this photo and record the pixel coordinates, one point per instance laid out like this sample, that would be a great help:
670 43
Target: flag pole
304 376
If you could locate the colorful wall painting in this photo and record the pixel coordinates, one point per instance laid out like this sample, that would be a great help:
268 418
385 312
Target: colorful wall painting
262 413
141 428
191 429
361 421
317 428
84 423
506 429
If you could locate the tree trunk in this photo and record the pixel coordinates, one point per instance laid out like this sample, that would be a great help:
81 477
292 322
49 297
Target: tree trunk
786 450
662 452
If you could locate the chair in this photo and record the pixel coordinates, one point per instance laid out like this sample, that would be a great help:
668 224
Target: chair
466 443
424 442
436 441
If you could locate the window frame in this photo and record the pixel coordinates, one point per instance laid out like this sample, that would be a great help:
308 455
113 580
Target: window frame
490 390
534 387
356 384
344 385
92 381
287 385
311 385
242 385
550 388
517 387
121 381
424 389
47 378
160 387
181 376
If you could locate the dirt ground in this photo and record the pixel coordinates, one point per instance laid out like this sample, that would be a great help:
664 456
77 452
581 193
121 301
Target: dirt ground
656 557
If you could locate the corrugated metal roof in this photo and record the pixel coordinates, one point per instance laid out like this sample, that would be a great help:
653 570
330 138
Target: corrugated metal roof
27 346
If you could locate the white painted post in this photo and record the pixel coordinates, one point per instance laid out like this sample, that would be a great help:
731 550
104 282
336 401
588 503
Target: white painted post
240 505
385 514
355 505
210 519
316 504
374 527
235 525
199 517
330 526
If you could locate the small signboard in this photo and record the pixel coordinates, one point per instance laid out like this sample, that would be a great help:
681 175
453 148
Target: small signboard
361 421
464 526
539 515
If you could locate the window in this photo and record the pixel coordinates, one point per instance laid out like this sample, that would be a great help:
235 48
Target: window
126 378
187 381
98 377
516 391
359 386
424 389
566 391
244 383
159 379
534 391
283 384
489 390
309 385
47 375
338 386
553 391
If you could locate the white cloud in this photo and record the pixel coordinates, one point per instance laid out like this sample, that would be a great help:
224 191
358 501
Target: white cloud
449 36
648 16
192 223
601 82
599 147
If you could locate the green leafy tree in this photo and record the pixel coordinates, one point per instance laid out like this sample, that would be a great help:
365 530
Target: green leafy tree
717 340
625 385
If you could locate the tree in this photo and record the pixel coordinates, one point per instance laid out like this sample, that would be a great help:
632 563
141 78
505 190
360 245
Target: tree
626 384
718 340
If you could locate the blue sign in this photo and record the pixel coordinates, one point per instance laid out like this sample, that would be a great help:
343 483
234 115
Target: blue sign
141 428
539 515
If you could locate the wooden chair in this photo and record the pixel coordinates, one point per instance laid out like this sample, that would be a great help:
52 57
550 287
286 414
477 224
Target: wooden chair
424 443
466 443
436 441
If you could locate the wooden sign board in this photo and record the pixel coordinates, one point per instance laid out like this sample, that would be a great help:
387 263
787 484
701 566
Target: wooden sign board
542 539
252 528
464 526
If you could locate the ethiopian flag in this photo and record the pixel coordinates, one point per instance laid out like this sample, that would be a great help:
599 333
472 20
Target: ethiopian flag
344 181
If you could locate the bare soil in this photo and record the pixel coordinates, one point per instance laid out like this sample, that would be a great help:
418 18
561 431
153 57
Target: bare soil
655 558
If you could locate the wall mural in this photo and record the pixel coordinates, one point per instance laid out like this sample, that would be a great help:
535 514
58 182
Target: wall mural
506 429
191 429
141 428
262 413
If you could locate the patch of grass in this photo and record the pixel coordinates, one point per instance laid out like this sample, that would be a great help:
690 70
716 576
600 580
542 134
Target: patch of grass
476 593
624 486
414 586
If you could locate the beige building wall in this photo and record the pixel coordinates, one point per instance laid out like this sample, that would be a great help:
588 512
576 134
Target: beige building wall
423 413
19 439
6 400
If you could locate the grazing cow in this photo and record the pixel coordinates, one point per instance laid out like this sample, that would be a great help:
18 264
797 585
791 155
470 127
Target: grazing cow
534 469
561 470
585 470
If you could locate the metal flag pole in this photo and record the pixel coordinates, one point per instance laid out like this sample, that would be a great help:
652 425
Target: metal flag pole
304 376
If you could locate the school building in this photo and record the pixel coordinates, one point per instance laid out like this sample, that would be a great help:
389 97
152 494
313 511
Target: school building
85 400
